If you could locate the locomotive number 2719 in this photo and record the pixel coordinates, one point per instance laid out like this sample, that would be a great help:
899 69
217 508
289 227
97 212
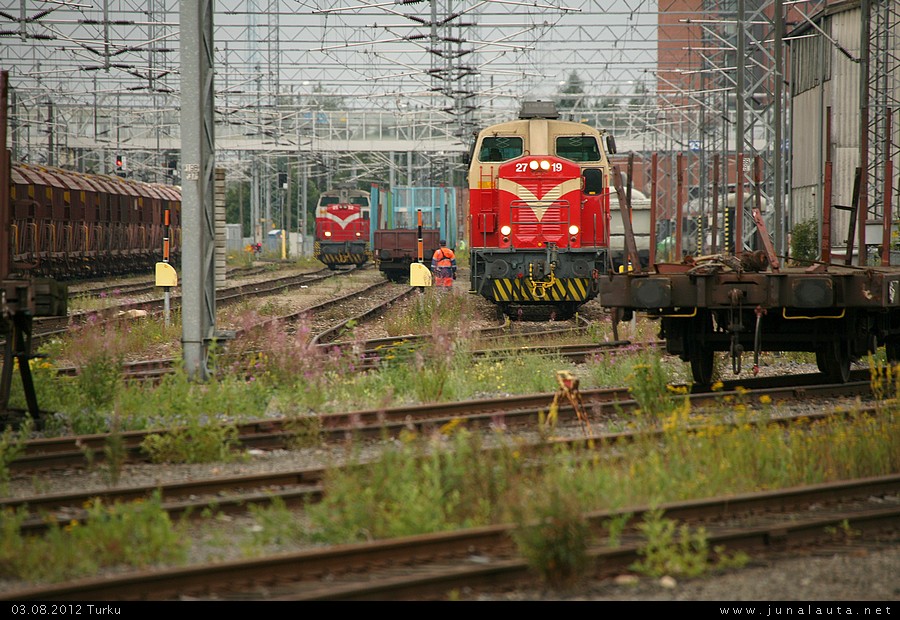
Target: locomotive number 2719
523 167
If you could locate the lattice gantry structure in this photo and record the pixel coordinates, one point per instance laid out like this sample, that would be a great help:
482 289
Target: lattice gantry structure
393 92
91 82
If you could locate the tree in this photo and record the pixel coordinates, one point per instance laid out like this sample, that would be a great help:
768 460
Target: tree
639 100
320 99
610 101
571 95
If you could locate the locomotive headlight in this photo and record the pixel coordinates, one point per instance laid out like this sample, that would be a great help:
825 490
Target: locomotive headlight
533 164
545 165
573 229
505 230
359 234
327 233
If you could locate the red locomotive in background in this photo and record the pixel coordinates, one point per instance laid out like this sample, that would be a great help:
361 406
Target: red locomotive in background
342 228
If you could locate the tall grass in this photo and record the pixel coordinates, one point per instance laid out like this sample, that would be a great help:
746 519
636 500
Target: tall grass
448 479
136 534
428 484
431 309
442 483
274 371
731 459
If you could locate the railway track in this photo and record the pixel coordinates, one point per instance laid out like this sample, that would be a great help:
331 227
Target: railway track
50 327
296 493
135 287
333 318
297 487
465 562
374 352
509 411
304 487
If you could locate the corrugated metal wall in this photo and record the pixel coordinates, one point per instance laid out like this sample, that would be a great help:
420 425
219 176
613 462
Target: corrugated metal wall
823 77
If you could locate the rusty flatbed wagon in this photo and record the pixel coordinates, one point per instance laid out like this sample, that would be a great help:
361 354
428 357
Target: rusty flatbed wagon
749 302
840 313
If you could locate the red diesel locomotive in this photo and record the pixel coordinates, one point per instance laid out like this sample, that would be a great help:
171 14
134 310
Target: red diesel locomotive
539 214
342 228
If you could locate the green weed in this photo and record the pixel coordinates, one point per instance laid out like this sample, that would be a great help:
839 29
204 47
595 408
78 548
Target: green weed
200 441
138 535
553 536
12 445
306 431
424 484
275 525
115 452
649 385
671 549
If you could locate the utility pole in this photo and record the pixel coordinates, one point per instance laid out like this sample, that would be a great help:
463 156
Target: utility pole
198 181
303 198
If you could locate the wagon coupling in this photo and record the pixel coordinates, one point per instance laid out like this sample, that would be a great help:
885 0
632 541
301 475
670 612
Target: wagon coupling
540 286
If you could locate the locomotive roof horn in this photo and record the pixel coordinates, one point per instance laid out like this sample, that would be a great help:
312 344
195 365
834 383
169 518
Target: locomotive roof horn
539 109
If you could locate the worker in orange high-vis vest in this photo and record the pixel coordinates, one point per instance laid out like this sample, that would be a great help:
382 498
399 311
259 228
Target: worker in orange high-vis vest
443 265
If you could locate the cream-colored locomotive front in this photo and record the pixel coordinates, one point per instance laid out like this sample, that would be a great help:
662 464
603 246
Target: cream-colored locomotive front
539 191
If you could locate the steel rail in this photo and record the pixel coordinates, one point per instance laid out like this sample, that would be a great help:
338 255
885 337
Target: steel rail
431 565
510 410
295 487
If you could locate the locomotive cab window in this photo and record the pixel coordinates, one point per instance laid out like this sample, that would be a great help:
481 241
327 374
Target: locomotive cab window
593 181
500 148
578 148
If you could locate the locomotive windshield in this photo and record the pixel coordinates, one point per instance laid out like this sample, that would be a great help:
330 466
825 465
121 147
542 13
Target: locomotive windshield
578 148
500 148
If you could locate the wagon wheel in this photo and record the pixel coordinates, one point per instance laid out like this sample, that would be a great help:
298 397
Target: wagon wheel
833 359
701 355
702 364
892 349
502 311
820 360
565 311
